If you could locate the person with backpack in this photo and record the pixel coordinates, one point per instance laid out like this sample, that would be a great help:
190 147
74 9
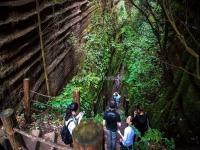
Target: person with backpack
141 120
111 122
71 120
127 140
117 99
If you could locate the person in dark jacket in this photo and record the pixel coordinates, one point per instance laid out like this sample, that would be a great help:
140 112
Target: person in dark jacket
111 122
141 120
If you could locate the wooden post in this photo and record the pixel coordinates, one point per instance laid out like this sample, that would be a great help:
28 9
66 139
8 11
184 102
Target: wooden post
88 135
9 121
76 98
26 100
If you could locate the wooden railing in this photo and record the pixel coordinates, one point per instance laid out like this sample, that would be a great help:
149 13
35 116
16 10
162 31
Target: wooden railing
14 134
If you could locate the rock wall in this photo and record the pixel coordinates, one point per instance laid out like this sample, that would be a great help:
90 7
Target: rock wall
20 50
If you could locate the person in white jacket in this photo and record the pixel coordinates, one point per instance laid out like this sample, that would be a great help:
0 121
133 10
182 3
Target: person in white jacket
127 140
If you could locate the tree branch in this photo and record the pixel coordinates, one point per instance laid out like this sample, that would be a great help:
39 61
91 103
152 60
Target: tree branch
181 38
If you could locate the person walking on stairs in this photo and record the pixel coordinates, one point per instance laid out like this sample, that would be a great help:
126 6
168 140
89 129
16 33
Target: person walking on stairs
117 99
127 140
71 120
111 123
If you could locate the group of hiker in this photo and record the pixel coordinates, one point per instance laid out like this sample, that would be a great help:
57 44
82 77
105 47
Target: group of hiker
138 120
111 124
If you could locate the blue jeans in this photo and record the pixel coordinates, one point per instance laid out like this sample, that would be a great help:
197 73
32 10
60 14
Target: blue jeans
122 147
111 139
117 104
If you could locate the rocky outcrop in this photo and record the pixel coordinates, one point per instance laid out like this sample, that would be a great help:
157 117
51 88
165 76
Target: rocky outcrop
20 50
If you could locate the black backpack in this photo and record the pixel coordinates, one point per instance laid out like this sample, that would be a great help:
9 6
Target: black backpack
65 134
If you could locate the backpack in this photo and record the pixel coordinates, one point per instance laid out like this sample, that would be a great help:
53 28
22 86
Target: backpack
65 134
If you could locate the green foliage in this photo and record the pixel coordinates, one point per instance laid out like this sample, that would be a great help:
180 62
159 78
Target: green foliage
96 48
64 99
143 70
39 106
154 139
111 41
98 118
114 37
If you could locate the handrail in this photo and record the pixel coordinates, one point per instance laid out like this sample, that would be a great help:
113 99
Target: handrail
43 95
58 146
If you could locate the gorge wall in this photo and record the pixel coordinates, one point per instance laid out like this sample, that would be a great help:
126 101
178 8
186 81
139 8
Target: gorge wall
20 49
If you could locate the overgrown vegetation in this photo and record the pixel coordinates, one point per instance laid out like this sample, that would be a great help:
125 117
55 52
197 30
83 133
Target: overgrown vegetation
154 139
125 40
143 71
121 39
97 52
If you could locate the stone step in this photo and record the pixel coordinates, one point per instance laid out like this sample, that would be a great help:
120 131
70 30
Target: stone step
51 136
32 144
55 138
